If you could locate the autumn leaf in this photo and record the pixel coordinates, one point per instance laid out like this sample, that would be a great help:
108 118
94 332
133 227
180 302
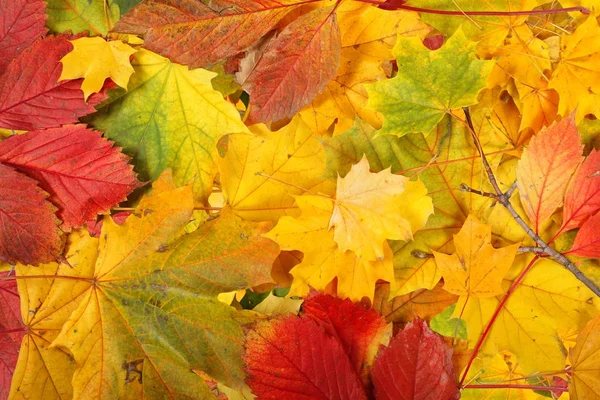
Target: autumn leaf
94 16
585 382
416 365
170 118
261 173
83 173
370 208
13 331
139 280
110 60
577 76
23 21
32 236
198 34
283 80
587 241
274 305
476 269
582 199
545 168
277 368
358 329
32 96
414 90
323 260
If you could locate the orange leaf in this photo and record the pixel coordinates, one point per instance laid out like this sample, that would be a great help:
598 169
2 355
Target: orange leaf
583 194
587 241
545 168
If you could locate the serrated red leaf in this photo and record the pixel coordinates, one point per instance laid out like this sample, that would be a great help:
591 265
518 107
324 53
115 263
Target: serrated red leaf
295 66
29 230
295 359
82 171
357 328
12 330
587 241
197 34
22 22
583 194
31 97
417 365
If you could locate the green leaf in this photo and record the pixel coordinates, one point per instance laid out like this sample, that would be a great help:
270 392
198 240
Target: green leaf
445 325
94 16
429 84
170 117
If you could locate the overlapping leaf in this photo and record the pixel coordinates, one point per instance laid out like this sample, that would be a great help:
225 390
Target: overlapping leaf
96 17
585 383
431 92
83 172
279 86
12 329
23 21
33 98
158 296
170 117
199 34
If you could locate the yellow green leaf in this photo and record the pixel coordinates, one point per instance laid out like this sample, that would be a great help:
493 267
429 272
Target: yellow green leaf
426 84
94 16
170 118
278 305
95 59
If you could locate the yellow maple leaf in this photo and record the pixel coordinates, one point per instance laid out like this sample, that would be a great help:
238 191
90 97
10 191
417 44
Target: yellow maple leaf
95 59
370 208
476 269
323 259
577 75
585 357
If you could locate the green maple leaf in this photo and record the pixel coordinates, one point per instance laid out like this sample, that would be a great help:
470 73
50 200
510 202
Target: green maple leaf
429 84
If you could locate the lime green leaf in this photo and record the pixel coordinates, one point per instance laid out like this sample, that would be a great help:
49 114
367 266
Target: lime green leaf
429 84
444 324
170 117
94 16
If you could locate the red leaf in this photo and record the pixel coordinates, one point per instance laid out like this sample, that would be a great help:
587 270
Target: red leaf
29 230
434 42
31 97
294 359
544 170
587 241
195 34
357 328
95 226
416 365
295 66
82 171
583 194
12 330
22 22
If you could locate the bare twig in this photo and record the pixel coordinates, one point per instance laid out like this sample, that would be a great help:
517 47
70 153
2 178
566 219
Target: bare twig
504 199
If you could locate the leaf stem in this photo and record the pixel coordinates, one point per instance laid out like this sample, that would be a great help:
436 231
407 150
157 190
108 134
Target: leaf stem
515 386
504 199
488 328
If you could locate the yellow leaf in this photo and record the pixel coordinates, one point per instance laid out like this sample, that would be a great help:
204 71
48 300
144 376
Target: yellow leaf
585 357
577 75
476 269
45 372
503 368
144 302
261 173
370 208
323 259
95 59
278 305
